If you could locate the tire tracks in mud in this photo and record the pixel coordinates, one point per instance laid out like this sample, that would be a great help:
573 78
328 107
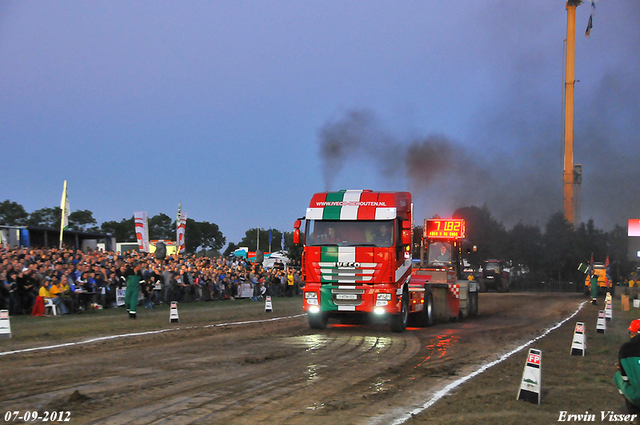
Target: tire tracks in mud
284 374
213 380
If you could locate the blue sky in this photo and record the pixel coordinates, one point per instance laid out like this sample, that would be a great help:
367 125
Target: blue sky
227 106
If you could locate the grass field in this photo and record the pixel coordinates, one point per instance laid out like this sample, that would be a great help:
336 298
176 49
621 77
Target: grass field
35 331
572 384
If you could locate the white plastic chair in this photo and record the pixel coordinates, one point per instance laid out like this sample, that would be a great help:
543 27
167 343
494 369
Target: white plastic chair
48 303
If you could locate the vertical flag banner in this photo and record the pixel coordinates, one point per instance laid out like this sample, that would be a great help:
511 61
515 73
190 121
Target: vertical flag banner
181 223
282 241
64 206
142 230
607 270
587 33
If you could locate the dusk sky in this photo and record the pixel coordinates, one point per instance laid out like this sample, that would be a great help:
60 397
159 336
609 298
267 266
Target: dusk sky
241 110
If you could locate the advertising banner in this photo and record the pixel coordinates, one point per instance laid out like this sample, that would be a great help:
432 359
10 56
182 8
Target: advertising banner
142 230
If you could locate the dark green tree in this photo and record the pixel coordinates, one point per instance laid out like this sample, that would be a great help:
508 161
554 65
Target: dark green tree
123 231
617 248
484 232
250 240
192 236
590 240
202 235
560 260
45 217
12 214
526 251
161 227
81 221
294 252
210 236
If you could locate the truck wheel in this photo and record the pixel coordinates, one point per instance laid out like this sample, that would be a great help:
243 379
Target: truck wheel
318 320
425 317
473 303
399 321
504 285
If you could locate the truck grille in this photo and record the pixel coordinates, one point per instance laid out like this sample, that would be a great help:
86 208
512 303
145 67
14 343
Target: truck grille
358 273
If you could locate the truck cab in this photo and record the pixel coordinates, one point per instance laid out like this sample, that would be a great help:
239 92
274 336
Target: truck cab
356 258
356 262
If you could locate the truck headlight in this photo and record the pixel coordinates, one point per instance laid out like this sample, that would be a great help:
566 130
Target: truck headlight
382 299
311 298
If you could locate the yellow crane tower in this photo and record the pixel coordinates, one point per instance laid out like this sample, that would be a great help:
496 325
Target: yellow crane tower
569 85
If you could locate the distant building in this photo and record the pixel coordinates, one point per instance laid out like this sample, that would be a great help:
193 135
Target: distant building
27 236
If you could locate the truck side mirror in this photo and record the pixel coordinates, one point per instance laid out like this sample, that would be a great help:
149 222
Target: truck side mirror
296 232
406 232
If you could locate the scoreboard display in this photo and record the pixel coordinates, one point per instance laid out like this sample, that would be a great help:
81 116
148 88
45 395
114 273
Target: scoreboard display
444 228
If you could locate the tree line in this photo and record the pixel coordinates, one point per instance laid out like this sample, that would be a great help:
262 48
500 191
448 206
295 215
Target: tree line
551 253
199 235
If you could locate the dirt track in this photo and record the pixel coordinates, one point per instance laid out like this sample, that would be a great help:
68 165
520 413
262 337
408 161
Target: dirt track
276 372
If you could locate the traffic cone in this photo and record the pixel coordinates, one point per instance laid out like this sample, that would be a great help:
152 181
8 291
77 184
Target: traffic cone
5 324
268 308
173 312
531 385
601 324
579 344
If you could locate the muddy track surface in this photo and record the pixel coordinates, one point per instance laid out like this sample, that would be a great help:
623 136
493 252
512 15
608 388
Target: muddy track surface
275 372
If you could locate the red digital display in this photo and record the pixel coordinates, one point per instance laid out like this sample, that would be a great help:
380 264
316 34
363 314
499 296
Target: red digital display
634 227
444 228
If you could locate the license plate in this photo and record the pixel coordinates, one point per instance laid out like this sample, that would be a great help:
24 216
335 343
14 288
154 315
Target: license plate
346 297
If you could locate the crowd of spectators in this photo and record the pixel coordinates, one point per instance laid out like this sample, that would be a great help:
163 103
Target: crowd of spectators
77 280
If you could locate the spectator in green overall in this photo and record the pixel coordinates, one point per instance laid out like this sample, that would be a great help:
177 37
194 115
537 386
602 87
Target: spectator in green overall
133 279
628 377
593 281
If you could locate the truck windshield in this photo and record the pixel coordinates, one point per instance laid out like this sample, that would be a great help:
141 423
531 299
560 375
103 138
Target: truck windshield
439 253
379 233
492 267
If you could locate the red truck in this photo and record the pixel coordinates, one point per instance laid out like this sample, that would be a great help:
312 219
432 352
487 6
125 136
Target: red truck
357 261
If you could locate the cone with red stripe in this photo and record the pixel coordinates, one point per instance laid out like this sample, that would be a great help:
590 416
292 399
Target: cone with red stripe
5 324
267 305
173 313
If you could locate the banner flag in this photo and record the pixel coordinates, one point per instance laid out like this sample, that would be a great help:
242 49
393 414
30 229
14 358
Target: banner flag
64 207
591 15
181 223
142 230
589 26
607 269
282 242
